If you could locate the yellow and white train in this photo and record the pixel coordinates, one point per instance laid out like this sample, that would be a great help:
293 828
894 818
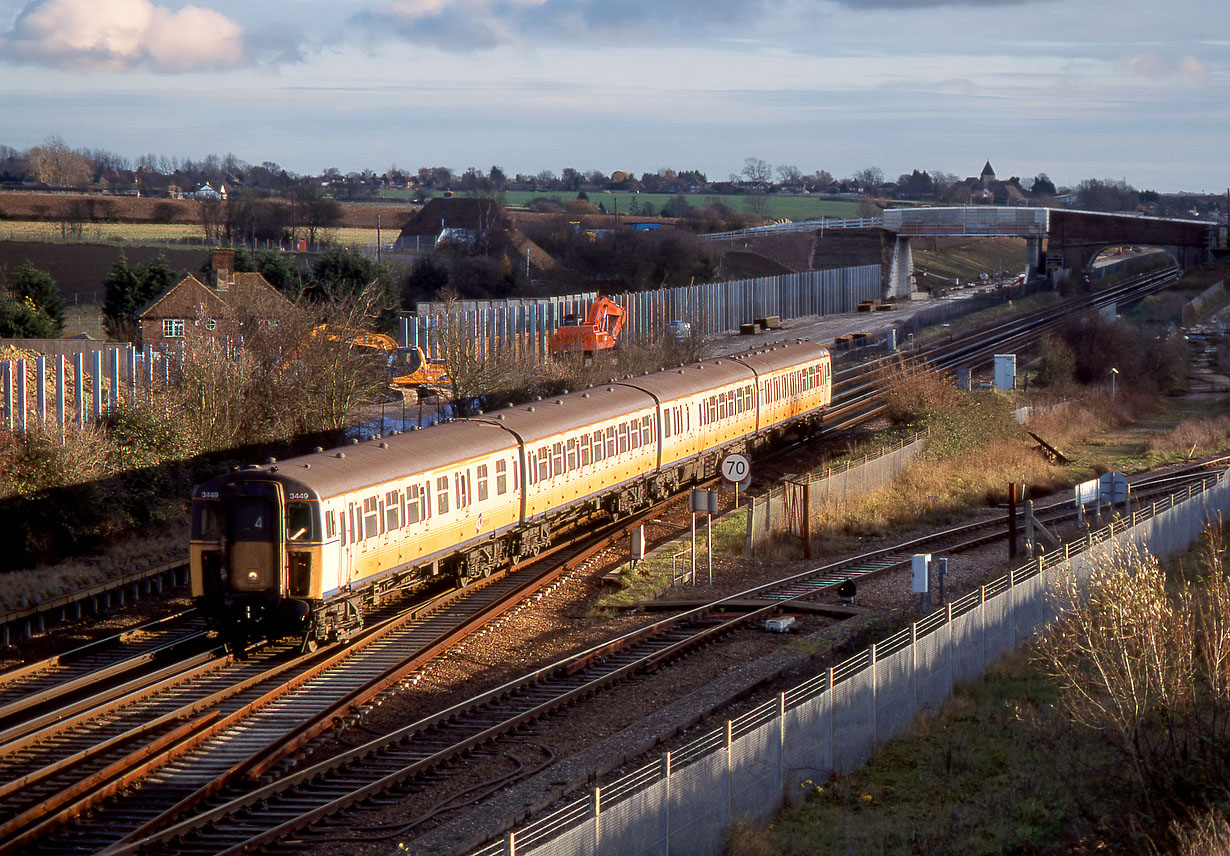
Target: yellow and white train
308 545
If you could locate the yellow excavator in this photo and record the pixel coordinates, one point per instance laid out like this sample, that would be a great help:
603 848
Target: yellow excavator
408 368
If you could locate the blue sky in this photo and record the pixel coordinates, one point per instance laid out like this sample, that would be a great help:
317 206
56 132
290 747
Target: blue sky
1122 89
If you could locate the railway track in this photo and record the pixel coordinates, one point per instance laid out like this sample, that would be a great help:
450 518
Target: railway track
856 389
420 754
175 774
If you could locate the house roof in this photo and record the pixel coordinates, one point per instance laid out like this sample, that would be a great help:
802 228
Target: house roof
478 214
243 288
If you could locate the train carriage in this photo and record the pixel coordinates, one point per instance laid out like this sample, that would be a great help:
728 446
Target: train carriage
579 449
308 545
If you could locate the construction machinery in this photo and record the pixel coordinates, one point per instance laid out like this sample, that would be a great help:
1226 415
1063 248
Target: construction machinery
408 368
598 332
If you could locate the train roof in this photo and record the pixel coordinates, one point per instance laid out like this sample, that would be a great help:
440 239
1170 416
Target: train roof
372 462
559 413
722 371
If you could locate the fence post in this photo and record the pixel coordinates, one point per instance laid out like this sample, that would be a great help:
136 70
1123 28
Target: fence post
96 381
664 815
781 748
60 399
40 389
875 695
730 725
595 811
20 398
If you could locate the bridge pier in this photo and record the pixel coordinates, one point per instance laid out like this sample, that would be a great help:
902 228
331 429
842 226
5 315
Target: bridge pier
1035 257
901 274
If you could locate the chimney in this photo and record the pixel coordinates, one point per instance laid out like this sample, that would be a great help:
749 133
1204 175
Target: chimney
223 264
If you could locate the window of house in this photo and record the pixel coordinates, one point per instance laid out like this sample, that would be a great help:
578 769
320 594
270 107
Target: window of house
172 328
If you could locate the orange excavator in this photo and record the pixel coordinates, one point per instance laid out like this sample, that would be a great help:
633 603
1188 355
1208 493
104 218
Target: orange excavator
598 332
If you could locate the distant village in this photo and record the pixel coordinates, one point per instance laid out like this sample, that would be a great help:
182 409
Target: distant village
55 167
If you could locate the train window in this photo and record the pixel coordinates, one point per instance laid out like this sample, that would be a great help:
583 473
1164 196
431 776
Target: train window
544 463
371 515
392 510
442 494
501 477
646 429
299 522
610 441
557 459
666 422
413 504
586 445
251 519
206 523
634 434
572 454
356 524
482 482
330 524
623 437
462 483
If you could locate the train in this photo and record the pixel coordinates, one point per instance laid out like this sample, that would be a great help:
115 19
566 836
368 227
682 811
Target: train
309 546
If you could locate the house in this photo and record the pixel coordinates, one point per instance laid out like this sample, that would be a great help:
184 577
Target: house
219 309
207 192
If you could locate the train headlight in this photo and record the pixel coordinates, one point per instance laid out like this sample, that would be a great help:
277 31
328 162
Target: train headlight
254 576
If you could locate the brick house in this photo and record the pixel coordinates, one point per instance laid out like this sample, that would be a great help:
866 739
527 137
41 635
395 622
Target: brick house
216 309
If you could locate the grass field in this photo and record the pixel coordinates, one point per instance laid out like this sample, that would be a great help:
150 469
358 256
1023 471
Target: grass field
776 207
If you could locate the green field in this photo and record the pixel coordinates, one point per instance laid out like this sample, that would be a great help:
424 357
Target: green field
776 207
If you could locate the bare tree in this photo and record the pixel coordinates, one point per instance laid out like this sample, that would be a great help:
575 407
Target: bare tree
757 171
1142 664
789 174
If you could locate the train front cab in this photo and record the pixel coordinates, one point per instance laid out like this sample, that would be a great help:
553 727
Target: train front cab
252 557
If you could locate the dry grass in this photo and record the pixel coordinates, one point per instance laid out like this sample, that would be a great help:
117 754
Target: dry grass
1193 436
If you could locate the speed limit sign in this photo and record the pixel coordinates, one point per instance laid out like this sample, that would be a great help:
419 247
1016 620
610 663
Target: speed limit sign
737 469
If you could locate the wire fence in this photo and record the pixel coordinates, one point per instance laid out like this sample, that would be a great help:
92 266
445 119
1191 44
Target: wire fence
682 803
769 514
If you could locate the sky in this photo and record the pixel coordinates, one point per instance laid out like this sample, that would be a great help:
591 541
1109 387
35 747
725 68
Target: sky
1133 90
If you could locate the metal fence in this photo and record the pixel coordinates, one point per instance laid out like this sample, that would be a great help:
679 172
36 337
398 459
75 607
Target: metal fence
767 515
71 389
818 225
681 803
526 324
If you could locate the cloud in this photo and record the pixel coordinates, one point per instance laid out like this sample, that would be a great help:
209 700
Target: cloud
1155 67
118 35
479 24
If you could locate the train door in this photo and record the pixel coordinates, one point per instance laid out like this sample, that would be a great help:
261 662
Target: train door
257 555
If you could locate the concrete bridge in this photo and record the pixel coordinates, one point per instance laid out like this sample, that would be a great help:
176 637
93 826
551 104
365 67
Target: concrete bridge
1055 238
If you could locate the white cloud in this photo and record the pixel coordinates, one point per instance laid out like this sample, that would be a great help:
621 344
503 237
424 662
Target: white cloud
117 35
